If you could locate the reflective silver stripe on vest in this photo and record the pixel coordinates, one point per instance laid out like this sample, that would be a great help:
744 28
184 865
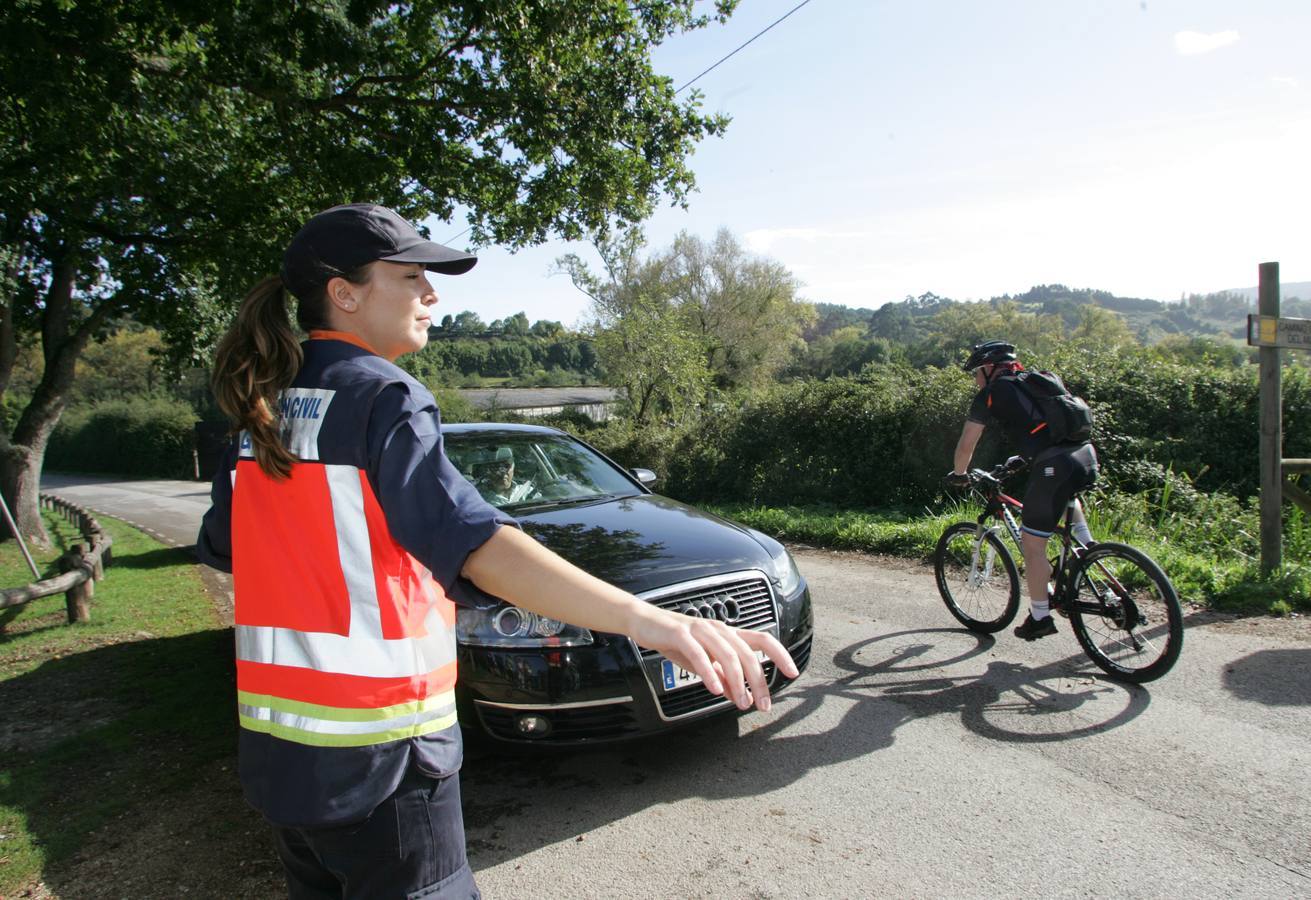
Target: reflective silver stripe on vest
353 549
346 655
363 651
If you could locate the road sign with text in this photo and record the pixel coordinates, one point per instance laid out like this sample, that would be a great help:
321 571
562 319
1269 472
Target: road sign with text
1274 331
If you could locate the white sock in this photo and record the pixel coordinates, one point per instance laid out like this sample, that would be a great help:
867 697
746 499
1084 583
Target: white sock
1039 609
1081 533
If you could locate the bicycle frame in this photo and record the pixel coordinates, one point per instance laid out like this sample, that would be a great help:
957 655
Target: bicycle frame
1096 585
1003 507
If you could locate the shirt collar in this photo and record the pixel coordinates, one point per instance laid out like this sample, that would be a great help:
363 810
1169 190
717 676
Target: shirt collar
322 334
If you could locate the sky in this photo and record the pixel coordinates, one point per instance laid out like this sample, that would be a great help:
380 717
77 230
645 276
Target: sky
974 148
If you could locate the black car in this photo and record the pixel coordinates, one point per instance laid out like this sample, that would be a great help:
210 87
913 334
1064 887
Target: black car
526 678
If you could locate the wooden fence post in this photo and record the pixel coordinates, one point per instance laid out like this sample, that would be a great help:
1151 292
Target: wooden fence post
1272 432
78 597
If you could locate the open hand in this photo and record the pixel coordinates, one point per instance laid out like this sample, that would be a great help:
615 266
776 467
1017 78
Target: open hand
723 656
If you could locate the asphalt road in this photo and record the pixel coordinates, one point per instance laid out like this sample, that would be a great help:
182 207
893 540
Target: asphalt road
913 759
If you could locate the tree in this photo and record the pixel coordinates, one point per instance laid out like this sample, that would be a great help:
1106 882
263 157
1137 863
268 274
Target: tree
544 328
1103 329
744 307
845 352
644 343
742 311
655 358
516 325
468 322
156 156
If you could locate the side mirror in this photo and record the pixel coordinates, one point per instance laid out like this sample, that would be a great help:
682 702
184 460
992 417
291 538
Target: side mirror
645 476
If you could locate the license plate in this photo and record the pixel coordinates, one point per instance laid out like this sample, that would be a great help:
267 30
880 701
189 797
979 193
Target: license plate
674 676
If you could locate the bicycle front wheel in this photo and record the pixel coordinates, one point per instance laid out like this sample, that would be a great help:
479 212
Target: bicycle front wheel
1126 613
976 578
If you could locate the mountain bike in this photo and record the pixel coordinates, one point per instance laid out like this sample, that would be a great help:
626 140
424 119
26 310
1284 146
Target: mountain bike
1123 609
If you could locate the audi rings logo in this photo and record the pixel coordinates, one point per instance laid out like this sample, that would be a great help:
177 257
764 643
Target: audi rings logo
725 609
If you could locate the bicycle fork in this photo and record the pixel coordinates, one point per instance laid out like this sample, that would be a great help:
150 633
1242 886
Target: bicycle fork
980 576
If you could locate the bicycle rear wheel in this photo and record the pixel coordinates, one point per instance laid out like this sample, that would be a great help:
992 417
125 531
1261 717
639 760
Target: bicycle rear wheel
977 580
1126 613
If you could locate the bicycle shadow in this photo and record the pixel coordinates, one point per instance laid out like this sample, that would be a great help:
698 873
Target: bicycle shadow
1007 701
515 803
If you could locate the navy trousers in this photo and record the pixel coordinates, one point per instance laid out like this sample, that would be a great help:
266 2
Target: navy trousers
411 846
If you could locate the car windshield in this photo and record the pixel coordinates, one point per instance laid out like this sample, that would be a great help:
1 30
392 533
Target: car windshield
525 469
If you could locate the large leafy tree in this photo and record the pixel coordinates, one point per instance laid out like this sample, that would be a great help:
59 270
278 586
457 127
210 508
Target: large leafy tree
744 307
155 157
646 345
737 312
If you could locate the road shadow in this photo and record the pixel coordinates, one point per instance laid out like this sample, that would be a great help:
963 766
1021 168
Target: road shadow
158 558
516 803
123 805
119 761
1271 677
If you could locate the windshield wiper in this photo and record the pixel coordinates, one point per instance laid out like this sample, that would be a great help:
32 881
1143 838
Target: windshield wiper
563 501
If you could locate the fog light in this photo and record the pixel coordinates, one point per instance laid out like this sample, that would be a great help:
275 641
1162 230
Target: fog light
534 726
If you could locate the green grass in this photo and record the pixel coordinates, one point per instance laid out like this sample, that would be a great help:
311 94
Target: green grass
104 717
1207 543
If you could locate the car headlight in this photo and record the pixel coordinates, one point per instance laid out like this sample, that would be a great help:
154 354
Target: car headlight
510 626
786 572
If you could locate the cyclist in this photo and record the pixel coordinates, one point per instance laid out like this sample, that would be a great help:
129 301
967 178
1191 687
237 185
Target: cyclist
1057 470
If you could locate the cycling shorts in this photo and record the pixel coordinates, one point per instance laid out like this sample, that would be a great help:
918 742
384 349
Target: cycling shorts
1054 477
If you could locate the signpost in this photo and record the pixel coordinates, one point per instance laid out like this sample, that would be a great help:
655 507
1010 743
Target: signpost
1271 333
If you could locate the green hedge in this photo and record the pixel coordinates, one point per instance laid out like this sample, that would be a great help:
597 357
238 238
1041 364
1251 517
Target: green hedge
146 437
887 436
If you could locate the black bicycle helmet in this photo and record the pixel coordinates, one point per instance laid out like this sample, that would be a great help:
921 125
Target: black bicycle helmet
989 353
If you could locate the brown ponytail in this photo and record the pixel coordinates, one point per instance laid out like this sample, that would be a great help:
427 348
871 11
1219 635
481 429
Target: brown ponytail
255 362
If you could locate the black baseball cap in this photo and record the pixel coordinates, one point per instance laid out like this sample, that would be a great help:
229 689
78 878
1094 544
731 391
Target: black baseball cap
343 238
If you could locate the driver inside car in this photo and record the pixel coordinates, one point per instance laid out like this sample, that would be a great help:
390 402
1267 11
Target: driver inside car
494 478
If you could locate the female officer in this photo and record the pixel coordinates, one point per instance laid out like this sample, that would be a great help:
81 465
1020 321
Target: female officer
347 532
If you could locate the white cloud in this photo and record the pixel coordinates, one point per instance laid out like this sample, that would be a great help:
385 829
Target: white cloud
1194 43
1285 81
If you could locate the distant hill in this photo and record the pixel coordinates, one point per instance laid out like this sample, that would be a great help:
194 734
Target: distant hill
1219 314
1293 290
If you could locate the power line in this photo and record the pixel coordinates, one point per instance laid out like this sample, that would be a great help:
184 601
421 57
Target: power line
771 25
698 77
454 236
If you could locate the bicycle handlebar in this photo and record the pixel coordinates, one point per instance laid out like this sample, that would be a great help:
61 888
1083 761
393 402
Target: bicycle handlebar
998 474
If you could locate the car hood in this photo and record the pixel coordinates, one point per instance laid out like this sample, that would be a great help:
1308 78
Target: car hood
645 541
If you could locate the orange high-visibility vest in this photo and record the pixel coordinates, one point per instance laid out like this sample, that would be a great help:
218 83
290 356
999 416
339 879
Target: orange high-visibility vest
343 638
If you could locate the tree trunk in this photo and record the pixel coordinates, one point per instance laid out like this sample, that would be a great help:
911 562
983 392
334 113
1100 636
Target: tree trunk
20 480
22 455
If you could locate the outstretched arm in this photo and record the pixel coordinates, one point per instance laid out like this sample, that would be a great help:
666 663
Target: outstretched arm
513 566
969 439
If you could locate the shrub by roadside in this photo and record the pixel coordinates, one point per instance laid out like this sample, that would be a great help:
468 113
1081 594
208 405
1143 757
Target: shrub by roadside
150 437
1211 561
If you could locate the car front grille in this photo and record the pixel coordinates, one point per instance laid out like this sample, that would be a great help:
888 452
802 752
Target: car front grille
756 611
751 593
696 698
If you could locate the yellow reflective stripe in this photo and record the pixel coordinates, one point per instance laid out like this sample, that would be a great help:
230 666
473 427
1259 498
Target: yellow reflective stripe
346 714
318 739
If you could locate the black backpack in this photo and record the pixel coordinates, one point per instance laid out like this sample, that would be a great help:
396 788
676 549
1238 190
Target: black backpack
1067 417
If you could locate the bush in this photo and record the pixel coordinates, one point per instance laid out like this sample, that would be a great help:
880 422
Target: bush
454 407
148 437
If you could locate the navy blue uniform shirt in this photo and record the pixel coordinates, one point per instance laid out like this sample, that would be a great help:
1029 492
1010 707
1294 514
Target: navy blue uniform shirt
387 424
